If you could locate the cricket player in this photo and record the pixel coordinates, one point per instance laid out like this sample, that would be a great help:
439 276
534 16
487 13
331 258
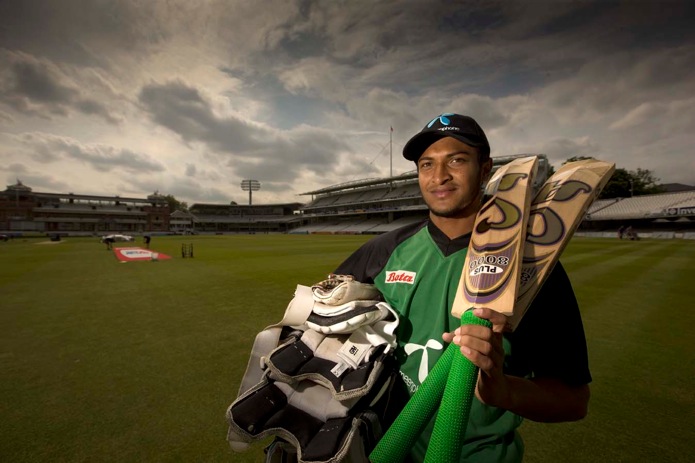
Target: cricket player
538 372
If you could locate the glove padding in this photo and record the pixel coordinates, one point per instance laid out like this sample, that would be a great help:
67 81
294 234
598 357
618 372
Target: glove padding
340 289
347 317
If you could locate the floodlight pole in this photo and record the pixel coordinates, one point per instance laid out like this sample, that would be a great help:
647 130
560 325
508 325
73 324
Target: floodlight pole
250 186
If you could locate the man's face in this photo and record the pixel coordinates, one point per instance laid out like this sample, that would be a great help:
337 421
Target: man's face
450 176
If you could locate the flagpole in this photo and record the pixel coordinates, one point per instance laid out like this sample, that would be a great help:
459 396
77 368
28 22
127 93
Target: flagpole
391 158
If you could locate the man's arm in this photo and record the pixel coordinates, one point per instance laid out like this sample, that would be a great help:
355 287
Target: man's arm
547 400
544 399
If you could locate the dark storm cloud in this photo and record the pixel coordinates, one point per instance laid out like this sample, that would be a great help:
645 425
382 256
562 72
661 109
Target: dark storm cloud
183 110
38 87
279 155
36 82
492 48
49 148
5 118
82 32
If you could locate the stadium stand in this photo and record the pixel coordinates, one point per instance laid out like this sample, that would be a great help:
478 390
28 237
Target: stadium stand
639 207
664 215
23 210
235 218
387 227
601 204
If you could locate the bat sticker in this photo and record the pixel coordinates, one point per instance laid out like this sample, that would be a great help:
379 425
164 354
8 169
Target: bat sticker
511 215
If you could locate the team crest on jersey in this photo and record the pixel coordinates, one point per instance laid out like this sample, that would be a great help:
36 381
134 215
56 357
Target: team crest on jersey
400 276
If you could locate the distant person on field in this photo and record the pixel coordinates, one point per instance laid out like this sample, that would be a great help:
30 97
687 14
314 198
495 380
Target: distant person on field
621 231
109 240
147 241
631 234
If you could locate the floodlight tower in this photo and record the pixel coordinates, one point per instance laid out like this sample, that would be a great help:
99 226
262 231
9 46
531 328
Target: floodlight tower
250 186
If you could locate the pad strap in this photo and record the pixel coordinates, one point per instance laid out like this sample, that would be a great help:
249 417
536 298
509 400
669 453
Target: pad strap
296 314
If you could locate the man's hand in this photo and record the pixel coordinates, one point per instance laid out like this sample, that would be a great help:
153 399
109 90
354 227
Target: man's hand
543 399
483 346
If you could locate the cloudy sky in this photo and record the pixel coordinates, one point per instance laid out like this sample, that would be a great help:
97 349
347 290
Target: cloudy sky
190 97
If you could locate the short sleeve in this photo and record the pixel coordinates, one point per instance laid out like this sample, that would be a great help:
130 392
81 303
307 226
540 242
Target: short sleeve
550 340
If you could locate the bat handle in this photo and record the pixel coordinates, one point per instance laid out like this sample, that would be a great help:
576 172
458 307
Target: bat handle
450 426
400 437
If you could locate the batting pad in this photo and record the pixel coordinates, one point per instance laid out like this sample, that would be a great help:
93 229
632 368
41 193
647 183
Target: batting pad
317 390
319 428
346 365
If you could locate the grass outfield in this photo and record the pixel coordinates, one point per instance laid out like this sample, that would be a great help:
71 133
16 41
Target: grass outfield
103 361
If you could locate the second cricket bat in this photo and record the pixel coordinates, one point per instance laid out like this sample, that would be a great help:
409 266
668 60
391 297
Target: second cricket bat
556 212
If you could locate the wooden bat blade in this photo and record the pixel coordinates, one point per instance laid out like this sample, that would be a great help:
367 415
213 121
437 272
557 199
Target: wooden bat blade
556 212
490 276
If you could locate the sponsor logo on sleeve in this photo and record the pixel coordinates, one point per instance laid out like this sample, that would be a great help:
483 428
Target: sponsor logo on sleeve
400 276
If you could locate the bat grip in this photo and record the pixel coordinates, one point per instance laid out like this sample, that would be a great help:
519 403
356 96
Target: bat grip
400 437
455 409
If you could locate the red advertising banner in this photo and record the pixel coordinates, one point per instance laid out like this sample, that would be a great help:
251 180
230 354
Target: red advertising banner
138 254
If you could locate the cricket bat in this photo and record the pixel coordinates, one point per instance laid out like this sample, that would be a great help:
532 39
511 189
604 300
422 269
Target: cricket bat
490 276
556 212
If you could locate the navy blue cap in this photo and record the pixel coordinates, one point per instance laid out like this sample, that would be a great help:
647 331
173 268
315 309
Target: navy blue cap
462 128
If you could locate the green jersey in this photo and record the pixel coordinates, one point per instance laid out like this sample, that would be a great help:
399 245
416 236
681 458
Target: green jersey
417 269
